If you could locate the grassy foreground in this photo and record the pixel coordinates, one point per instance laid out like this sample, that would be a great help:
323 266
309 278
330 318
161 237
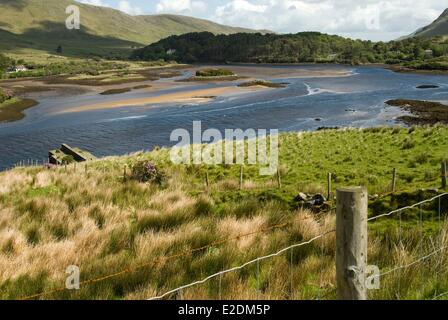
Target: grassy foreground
50 219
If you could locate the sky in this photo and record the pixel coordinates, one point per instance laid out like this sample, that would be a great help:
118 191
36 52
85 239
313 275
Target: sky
361 19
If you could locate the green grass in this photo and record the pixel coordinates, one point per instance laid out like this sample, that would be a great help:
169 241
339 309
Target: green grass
214 73
106 224
12 109
263 83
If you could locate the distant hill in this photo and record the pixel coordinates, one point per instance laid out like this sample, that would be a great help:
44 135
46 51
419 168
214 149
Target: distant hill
40 25
438 28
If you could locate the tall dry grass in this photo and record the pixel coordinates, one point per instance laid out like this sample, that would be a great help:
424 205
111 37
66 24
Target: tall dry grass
50 219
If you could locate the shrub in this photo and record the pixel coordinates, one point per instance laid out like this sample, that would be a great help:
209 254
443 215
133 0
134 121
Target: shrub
5 95
146 171
422 158
214 73
408 144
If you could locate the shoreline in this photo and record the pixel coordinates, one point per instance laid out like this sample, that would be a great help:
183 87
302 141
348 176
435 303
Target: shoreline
11 111
421 112
33 88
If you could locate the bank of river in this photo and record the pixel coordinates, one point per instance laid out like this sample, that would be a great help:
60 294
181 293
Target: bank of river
316 96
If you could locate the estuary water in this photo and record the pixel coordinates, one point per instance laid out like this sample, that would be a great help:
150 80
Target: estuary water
306 103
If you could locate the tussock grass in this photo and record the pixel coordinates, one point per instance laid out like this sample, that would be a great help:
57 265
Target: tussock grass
50 219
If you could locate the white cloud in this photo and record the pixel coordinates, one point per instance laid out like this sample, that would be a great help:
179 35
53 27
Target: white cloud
126 7
368 19
191 7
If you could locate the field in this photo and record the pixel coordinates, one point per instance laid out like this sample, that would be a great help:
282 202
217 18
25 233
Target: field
136 240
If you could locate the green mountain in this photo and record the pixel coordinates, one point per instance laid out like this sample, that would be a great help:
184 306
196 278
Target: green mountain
438 28
40 25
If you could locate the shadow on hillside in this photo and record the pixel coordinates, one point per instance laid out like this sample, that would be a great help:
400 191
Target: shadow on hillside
49 35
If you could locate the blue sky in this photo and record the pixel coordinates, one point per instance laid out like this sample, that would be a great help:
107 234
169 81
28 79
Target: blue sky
364 19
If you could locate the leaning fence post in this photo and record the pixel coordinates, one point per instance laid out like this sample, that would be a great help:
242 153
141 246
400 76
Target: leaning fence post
351 243
207 180
329 186
394 180
444 175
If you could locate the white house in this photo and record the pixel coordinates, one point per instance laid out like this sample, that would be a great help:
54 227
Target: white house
17 69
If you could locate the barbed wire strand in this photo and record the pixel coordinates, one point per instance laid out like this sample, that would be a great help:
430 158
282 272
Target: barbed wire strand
440 296
408 207
242 266
412 263
159 259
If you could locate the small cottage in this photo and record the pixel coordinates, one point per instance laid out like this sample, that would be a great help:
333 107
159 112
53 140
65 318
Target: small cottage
19 68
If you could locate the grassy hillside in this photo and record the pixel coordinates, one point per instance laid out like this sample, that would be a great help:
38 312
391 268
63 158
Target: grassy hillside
40 25
439 28
142 239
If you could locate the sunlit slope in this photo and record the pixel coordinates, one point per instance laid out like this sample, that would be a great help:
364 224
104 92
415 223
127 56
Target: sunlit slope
40 24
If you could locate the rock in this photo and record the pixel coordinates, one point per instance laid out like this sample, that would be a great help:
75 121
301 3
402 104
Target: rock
428 86
317 200
316 203
301 197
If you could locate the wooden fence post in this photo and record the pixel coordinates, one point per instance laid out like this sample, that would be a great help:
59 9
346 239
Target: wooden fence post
329 186
125 174
207 180
444 175
394 180
279 178
351 243
241 177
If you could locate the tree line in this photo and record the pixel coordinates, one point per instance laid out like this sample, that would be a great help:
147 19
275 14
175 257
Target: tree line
291 48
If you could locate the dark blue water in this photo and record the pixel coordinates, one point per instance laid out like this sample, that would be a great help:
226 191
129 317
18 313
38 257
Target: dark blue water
355 101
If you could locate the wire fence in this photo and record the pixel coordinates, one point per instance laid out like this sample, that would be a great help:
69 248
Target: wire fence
282 251
160 259
258 259
243 265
